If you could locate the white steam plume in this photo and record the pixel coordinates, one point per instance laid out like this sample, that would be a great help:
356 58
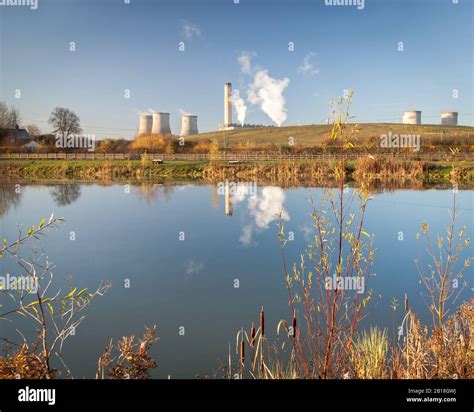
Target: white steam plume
268 93
245 61
239 105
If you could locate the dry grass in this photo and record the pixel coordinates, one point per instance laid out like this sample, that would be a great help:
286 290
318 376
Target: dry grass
385 169
369 355
440 354
133 360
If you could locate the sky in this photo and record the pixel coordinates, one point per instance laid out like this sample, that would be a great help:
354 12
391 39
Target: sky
303 54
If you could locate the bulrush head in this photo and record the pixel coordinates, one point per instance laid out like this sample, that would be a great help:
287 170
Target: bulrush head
293 324
262 322
253 333
242 352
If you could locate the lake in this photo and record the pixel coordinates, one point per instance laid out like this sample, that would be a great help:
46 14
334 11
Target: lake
180 249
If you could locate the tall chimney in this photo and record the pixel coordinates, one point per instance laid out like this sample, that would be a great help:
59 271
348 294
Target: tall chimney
227 104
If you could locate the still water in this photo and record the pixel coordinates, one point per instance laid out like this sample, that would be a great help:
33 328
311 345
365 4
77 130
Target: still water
180 249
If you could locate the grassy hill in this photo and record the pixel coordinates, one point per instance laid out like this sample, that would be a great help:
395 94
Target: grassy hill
312 135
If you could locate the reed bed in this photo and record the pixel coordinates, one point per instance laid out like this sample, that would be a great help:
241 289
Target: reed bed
387 169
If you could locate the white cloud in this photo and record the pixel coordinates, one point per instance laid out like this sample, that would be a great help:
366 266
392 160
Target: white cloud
190 30
308 67
192 267
245 61
246 236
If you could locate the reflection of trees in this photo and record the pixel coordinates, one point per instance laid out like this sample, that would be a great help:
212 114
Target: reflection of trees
8 197
64 195
151 192
214 197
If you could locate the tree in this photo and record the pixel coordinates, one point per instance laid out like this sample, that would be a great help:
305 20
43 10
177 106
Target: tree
65 122
4 116
14 118
9 118
33 130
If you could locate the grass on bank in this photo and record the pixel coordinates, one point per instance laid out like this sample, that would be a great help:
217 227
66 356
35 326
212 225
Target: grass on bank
262 171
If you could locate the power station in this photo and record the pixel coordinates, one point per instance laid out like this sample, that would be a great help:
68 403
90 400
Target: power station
449 118
412 117
188 125
146 123
227 104
161 123
158 123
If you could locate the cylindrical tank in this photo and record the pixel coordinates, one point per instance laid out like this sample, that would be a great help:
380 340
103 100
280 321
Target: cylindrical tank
227 104
449 118
146 121
189 125
161 123
412 117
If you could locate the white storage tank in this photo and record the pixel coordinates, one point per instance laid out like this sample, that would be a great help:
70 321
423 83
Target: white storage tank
449 118
412 117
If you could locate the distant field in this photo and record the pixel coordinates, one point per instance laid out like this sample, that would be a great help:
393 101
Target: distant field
315 134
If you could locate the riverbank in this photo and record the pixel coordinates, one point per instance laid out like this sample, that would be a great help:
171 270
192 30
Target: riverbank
286 173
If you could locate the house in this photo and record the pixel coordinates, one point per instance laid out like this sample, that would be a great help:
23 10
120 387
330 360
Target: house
18 136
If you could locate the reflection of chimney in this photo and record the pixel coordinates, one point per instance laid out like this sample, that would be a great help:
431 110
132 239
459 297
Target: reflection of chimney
228 203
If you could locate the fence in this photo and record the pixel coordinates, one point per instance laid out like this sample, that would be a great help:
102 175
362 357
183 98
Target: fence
223 156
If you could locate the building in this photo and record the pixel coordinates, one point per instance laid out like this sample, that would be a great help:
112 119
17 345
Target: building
188 125
449 118
412 117
17 136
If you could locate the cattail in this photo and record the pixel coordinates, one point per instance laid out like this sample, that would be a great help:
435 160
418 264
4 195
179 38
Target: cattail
406 302
293 324
253 334
242 352
262 322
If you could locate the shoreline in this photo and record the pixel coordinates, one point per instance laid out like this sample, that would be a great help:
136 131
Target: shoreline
285 173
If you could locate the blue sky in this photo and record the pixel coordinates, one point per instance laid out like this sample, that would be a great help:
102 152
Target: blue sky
135 46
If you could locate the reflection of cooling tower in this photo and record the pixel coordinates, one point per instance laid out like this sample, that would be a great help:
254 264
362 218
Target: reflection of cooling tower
189 125
227 104
161 123
412 117
146 121
449 118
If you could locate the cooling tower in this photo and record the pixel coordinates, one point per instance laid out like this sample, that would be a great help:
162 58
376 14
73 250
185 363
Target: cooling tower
227 104
449 118
161 123
412 117
146 121
189 125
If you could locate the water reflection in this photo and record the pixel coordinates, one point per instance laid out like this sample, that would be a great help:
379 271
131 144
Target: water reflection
65 194
264 207
191 283
151 193
10 195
